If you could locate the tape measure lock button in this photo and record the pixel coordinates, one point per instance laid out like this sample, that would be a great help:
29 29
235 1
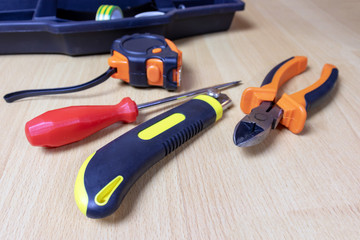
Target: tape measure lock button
154 71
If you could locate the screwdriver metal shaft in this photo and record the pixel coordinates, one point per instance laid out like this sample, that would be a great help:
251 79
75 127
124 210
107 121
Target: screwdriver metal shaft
186 95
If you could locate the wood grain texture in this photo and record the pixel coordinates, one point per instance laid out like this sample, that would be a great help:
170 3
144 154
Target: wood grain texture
304 186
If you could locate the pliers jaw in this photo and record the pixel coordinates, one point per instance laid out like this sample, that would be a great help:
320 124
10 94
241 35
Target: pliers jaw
255 127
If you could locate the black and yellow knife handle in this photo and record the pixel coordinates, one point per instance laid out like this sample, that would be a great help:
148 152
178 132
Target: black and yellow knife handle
107 175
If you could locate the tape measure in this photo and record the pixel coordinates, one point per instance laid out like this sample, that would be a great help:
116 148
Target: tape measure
145 60
142 60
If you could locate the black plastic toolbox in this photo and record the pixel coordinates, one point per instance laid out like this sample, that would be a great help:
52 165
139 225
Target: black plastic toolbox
69 27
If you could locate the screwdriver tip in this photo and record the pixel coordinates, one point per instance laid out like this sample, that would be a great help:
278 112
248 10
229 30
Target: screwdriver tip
229 84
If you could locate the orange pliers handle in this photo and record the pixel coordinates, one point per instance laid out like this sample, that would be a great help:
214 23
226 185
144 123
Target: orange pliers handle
294 106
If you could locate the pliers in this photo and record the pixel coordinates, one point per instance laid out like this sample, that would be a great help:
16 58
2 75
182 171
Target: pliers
264 113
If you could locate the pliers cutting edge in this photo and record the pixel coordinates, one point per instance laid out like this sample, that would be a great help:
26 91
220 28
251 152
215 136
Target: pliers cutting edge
264 113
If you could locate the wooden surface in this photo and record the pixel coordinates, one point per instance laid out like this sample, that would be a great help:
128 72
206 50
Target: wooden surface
304 186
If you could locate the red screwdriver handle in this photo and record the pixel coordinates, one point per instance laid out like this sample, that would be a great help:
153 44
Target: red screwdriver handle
66 125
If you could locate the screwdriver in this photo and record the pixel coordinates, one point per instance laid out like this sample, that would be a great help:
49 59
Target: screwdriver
108 174
70 124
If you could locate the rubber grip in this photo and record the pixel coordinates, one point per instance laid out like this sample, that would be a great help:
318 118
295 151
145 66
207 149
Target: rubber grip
252 97
296 105
320 88
67 125
107 175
